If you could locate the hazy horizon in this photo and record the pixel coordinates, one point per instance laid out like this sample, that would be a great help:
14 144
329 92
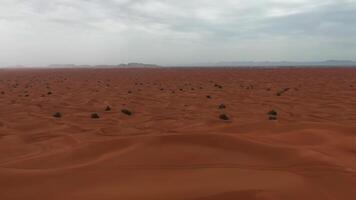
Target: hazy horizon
167 32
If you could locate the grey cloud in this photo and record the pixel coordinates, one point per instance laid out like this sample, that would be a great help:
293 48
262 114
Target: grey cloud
161 31
327 20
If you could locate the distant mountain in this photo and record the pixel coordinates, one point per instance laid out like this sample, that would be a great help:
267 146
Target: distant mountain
129 65
62 66
138 65
327 63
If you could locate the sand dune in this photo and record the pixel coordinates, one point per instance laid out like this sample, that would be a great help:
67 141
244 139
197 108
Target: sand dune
174 145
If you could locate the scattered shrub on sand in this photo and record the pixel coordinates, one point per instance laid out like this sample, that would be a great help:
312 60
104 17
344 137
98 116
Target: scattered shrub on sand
95 116
222 106
218 86
208 96
272 115
223 117
272 112
57 115
282 91
126 112
108 108
49 93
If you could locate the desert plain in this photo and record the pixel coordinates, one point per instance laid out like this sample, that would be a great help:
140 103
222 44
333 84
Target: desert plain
178 133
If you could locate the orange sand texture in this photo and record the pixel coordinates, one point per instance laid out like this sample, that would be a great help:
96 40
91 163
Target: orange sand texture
174 146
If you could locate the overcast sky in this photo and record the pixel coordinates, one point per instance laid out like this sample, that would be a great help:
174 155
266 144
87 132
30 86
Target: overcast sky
41 32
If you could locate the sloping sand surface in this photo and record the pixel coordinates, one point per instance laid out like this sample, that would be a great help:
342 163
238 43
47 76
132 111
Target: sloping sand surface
174 145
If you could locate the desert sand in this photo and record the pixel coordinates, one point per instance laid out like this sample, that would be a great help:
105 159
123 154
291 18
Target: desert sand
157 134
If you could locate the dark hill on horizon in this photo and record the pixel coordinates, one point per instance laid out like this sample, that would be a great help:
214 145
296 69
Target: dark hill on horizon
327 63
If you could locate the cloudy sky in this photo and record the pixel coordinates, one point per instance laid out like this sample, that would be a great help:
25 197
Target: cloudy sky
41 32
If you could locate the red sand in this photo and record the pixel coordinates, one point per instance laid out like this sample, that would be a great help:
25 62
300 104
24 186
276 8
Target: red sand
174 146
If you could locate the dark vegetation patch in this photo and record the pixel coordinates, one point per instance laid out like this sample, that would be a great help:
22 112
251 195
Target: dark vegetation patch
126 112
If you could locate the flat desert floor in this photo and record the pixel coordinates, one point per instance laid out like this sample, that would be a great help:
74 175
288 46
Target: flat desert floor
174 145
